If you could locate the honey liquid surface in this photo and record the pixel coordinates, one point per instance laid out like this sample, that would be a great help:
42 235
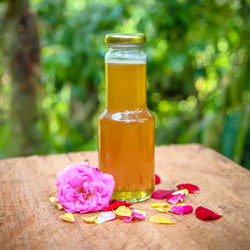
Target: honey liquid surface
126 133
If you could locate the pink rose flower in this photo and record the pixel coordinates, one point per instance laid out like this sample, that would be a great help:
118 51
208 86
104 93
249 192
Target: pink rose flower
83 189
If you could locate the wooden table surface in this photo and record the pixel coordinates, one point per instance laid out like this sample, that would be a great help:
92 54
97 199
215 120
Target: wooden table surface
29 221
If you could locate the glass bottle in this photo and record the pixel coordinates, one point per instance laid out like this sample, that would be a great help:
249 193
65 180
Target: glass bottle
126 126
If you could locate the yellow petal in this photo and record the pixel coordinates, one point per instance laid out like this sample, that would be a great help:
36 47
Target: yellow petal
123 211
180 204
90 219
139 210
159 204
68 217
59 206
53 201
163 209
181 191
160 220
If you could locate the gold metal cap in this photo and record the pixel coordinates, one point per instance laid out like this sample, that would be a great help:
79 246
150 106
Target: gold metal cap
125 38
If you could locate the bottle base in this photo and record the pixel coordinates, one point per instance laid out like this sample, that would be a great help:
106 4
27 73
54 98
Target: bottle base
132 197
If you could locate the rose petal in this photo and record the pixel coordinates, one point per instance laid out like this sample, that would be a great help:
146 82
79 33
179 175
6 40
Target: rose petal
69 217
177 210
186 209
53 201
174 199
90 219
113 201
190 187
123 211
128 219
203 213
161 194
160 220
59 206
159 204
180 204
115 204
137 214
163 209
181 191
105 216
157 179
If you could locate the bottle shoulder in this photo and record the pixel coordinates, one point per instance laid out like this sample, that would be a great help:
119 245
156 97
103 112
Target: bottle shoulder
138 115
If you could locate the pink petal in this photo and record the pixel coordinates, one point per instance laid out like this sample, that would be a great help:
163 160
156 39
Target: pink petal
136 214
190 187
186 209
161 194
139 216
203 213
177 210
157 179
174 199
128 219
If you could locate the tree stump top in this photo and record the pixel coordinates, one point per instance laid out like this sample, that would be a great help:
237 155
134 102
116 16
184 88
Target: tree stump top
29 221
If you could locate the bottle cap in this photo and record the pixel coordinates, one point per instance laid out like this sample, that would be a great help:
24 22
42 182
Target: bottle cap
125 38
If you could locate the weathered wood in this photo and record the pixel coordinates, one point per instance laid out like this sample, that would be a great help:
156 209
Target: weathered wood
29 221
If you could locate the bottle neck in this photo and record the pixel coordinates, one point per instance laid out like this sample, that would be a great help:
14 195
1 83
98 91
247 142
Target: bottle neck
125 79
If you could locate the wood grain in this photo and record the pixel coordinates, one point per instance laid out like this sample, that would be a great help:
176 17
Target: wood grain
29 221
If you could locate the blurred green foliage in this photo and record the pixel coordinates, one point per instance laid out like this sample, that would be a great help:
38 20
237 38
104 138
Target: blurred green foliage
198 72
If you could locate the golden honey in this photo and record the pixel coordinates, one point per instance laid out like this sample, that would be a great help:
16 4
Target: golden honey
126 132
